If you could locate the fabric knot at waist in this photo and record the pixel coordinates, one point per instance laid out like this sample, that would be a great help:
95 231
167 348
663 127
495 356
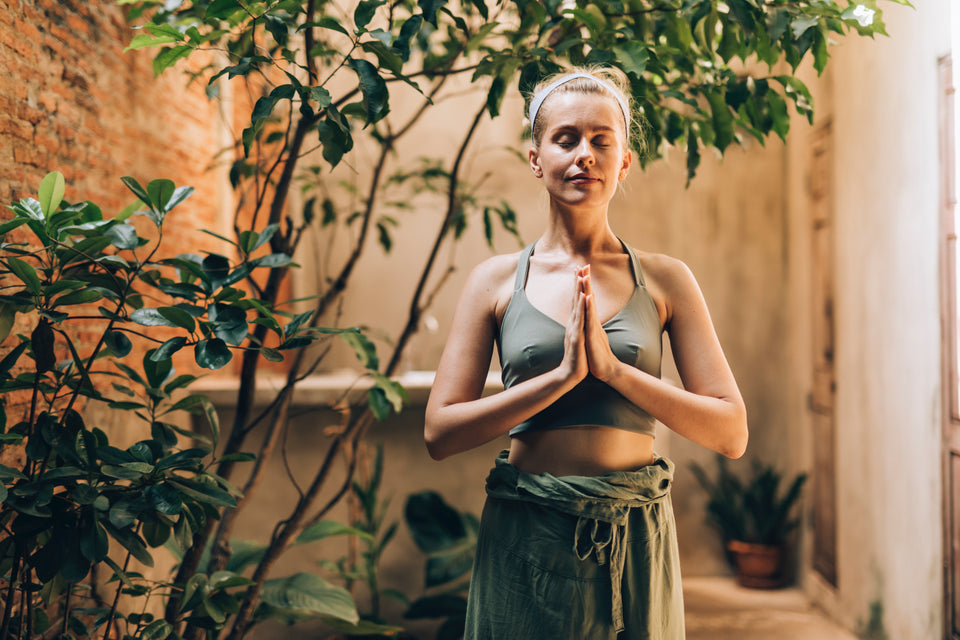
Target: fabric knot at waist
601 505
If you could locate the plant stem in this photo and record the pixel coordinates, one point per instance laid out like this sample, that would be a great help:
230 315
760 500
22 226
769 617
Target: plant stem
8 605
116 600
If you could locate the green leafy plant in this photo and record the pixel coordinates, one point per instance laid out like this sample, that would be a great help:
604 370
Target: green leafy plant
86 286
449 539
752 510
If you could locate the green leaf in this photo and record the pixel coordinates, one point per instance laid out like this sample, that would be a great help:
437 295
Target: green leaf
164 498
94 543
203 492
325 22
327 528
168 57
365 350
142 40
137 190
178 317
83 296
8 316
241 456
157 371
271 355
378 403
212 354
226 579
150 318
123 236
434 525
633 57
51 192
372 86
26 273
118 343
194 591
41 339
155 533
722 120
156 630
160 192
132 543
168 348
178 196
244 553
229 323
801 23
11 358
363 14
309 593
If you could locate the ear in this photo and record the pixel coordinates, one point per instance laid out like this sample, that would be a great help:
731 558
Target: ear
625 164
534 157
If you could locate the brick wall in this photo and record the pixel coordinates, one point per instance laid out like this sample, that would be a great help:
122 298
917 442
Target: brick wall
71 100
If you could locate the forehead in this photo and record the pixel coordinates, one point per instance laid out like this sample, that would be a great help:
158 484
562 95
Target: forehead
582 109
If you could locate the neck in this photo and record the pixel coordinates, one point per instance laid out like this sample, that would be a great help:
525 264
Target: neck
578 232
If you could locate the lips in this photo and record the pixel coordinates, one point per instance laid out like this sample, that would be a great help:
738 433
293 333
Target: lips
583 178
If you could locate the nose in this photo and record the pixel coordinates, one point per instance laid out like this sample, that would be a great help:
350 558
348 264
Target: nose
585 157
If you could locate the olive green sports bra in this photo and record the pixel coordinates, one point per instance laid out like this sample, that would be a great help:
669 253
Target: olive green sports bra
530 343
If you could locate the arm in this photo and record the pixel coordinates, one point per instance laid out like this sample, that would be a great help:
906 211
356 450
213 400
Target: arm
457 418
709 409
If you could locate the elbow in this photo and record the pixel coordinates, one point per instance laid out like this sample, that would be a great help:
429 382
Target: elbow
435 450
434 442
734 450
735 444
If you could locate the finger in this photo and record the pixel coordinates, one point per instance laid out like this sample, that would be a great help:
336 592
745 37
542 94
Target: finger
579 311
587 282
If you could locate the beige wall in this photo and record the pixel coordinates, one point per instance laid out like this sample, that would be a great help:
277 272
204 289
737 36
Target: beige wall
886 177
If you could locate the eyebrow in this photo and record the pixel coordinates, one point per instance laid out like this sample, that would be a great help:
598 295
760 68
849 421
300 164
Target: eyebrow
569 127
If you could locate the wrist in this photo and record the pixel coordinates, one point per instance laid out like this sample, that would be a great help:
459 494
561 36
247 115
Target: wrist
611 374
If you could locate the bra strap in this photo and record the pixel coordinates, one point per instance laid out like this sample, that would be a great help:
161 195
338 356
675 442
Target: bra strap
522 267
635 263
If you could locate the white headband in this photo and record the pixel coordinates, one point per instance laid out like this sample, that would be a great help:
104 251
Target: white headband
538 99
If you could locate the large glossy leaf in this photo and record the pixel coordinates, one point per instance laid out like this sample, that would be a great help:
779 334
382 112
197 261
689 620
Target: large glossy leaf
212 354
229 323
376 96
309 593
178 317
51 192
203 492
26 273
150 318
434 525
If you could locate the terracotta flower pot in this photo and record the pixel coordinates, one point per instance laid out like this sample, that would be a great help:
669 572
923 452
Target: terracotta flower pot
758 565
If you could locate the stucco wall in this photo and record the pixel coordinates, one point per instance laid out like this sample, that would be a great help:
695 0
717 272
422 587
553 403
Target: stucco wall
886 177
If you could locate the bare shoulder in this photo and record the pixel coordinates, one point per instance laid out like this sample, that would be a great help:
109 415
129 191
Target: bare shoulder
670 282
491 281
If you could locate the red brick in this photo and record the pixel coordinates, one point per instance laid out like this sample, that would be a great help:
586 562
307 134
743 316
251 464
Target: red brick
28 156
16 128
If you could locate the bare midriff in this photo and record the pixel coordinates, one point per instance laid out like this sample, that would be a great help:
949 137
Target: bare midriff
580 451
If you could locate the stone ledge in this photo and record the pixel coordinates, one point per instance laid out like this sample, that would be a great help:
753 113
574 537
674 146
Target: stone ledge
325 389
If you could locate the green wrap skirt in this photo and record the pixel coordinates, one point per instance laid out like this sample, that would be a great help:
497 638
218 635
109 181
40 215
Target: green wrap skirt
576 557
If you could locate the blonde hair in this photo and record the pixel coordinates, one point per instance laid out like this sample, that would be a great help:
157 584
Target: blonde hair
607 82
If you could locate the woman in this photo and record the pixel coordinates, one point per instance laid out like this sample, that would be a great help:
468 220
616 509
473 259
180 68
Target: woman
577 537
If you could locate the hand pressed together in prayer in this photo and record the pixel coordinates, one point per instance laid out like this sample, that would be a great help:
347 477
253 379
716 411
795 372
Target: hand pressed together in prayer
586 347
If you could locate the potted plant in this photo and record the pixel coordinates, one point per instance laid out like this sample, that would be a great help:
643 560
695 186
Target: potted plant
754 519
